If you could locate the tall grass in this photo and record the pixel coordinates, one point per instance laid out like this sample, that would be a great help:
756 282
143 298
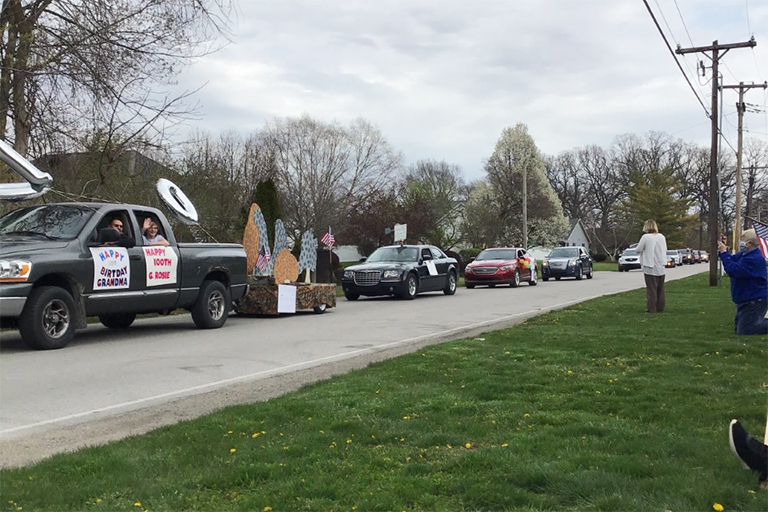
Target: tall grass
596 407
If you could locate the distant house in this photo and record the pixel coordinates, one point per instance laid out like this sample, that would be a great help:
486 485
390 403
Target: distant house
577 235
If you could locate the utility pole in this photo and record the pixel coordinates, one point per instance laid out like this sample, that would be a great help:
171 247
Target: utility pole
714 190
741 107
525 207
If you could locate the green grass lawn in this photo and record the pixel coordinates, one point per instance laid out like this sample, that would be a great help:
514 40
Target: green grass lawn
596 407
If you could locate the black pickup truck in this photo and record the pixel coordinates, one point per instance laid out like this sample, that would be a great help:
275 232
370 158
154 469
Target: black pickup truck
54 272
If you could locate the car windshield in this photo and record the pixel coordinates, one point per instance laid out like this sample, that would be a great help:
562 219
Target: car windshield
630 252
394 254
671 253
52 222
564 252
497 254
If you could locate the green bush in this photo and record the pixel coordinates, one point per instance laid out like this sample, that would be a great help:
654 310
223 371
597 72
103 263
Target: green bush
600 257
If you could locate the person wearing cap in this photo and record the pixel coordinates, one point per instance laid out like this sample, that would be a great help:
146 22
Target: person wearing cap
749 284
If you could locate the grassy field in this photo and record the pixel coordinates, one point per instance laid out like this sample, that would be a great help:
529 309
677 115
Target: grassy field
596 407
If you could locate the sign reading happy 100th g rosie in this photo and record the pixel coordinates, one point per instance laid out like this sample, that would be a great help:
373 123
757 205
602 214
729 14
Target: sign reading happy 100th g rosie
162 265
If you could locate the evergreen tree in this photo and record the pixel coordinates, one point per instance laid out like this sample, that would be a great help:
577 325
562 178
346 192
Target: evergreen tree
267 198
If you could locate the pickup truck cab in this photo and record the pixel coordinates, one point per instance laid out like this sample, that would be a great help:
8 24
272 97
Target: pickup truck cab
54 272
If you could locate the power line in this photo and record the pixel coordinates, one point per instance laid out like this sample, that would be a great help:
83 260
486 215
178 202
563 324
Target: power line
672 52
684 26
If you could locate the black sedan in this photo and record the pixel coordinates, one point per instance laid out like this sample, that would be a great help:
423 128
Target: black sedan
402 271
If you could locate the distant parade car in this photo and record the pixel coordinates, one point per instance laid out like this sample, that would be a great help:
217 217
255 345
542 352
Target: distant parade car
629 260
567 262
403 271
501 265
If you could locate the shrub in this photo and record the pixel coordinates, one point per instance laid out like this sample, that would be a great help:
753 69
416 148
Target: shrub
600 257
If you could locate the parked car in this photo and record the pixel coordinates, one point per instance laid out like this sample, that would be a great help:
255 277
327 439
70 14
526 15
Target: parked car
501 265
704 256
55 272
687 256
629 260
402 271
567 262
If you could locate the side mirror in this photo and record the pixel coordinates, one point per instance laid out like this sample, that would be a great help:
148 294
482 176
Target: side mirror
362 260
472 259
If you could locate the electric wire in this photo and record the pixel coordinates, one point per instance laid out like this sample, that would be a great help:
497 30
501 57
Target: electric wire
683 21
672 52
693 71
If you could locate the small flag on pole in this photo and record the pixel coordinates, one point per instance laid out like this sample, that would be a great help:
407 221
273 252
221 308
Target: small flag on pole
761 230
263 260
328 239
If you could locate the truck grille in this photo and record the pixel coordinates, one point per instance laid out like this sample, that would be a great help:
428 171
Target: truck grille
367 277
484 271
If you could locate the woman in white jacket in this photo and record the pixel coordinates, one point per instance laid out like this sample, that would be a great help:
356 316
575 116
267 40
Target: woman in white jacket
652 249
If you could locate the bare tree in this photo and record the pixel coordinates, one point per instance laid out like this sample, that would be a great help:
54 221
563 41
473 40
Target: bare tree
73 66
323 169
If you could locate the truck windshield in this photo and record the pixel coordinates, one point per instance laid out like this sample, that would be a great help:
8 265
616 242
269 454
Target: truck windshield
52 221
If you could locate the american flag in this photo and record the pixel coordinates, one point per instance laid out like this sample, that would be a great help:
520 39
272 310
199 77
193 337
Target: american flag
328 239
263 260
761 230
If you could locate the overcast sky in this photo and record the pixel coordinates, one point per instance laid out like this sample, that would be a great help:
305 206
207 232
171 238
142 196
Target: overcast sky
442 78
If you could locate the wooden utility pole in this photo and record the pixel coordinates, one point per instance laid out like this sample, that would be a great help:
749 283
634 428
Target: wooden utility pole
714 190
740 108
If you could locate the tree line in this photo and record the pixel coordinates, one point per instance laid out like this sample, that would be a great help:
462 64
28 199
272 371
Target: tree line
82 94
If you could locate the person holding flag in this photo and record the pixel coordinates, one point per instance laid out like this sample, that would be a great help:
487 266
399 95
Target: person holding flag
749 284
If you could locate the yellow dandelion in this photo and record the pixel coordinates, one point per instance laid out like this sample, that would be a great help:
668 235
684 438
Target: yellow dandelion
98 500
504 445
467 446
349 441
717 506
137 504
232 450
526 415
569 372
449 446
255 435
751 491
267 508
229 432
402 439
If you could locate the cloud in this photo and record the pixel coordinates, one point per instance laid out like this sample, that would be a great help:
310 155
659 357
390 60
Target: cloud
441 79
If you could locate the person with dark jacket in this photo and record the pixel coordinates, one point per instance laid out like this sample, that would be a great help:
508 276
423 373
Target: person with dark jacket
123 240
749 284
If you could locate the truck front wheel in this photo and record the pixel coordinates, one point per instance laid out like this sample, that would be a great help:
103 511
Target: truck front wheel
212 305
117 320
47 321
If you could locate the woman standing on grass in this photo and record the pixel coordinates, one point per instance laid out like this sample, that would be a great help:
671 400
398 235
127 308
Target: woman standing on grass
652 249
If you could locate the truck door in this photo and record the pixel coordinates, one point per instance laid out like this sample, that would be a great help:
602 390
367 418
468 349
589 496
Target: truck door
116 282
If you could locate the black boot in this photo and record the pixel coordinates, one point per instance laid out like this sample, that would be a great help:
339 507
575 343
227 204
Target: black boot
752 453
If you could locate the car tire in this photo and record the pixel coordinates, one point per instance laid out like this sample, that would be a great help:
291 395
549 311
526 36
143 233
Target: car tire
591 272
450 284
117 320
469 285
351 296
534 279
212 305
557 278
47 321
411 287
515 279
621 269
579 273
320 309
545 279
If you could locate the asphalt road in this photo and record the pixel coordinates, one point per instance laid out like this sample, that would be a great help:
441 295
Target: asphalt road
110 384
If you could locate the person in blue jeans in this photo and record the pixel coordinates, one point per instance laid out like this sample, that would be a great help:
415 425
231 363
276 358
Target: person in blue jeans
749 284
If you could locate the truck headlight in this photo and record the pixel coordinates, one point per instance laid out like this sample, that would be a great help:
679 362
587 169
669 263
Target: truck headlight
349 274
390 274
15 270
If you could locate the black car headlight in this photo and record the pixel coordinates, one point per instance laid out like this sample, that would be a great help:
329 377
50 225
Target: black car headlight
390 274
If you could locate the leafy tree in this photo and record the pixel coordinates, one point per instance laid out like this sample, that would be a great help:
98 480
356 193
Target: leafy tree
656 195
515 156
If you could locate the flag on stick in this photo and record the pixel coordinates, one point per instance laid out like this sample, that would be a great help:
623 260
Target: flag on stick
263 260
761 230
328 239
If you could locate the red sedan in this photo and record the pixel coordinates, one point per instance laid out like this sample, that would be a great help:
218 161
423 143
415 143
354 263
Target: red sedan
501 265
